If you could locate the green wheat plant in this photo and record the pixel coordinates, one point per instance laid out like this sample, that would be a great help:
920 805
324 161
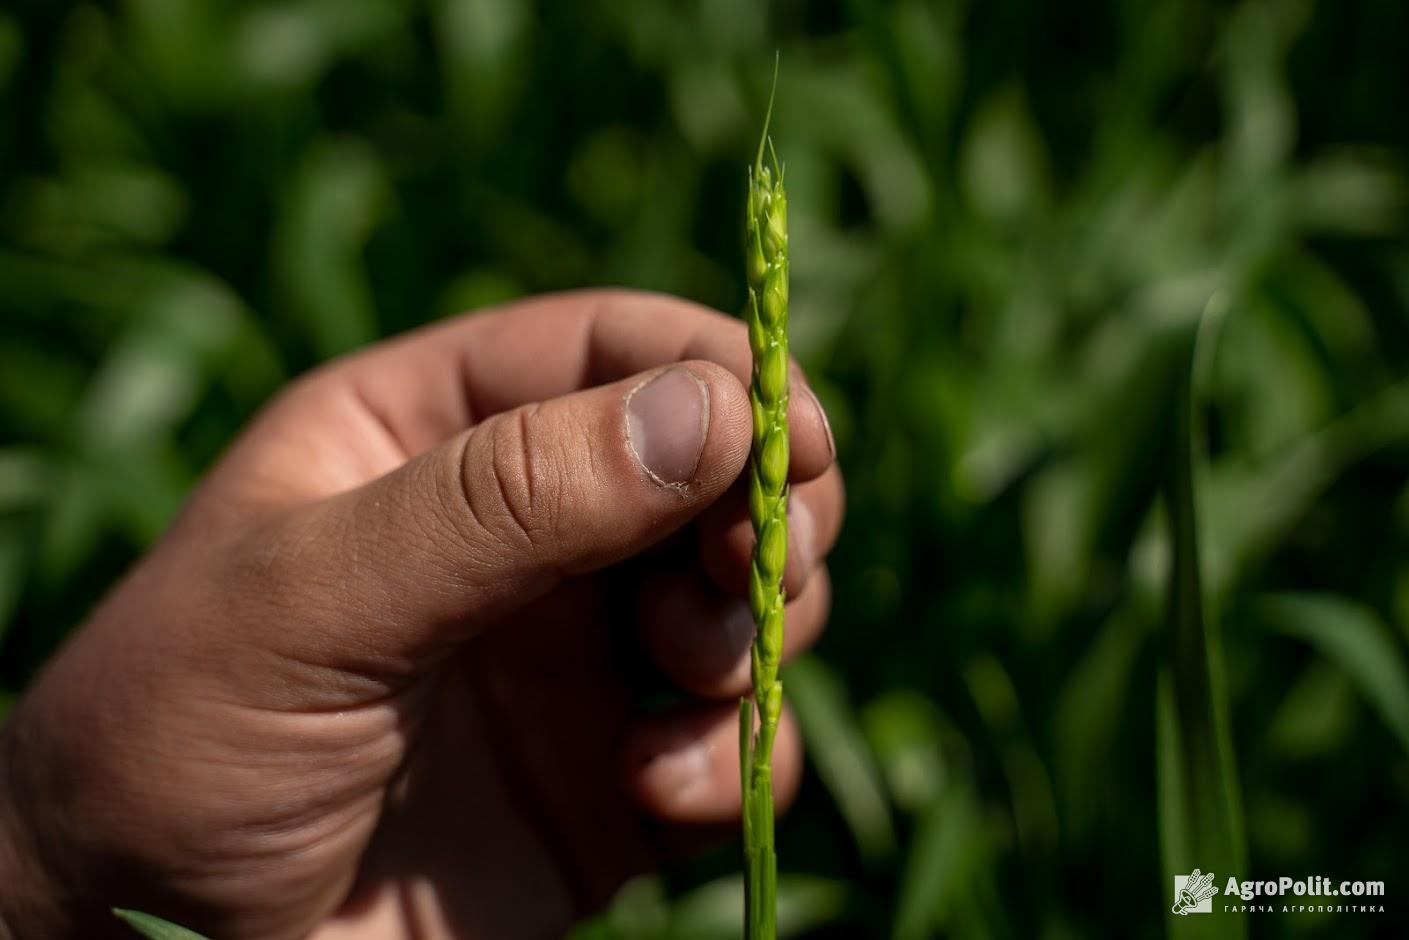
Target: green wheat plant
766 249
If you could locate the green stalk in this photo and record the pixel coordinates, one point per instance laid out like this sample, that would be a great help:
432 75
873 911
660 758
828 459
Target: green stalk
766 249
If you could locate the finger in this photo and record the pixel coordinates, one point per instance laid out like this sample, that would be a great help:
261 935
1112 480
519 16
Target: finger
683 767
700 637
482 525
815 513
421 389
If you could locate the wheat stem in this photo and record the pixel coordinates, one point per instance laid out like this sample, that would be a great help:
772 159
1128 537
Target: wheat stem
766 250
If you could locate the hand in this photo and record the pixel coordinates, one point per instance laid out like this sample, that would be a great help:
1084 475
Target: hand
370 683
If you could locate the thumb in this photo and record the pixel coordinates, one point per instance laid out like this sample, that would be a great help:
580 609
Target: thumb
497 516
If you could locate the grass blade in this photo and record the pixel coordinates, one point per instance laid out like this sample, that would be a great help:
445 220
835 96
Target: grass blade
945 873
841 755
1200 813
155 928
1088 714
1353 638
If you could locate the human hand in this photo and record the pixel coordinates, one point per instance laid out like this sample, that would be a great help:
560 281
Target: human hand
369 684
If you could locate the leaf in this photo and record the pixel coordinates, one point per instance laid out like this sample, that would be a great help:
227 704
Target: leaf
1088 712
1352 637
483 48
1003 167
1317 716
904 729
75 521
330 212
152 376
25 475
1088 504
154 927
943 874
805 904
641 911
1251 510
11 50
14 566
1351 193
840 754
1201 822
289 46
1029 785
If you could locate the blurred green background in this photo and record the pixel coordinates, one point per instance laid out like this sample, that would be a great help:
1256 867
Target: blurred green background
1109 302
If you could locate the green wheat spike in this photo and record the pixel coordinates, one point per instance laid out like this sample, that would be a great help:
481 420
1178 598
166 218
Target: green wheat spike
766 249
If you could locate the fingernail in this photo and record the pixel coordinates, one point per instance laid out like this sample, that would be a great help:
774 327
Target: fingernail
803 530
738 638
826 425
666 422
738 629
676 773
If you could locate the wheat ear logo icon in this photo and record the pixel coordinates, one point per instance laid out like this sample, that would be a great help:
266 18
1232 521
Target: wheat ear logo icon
1196 889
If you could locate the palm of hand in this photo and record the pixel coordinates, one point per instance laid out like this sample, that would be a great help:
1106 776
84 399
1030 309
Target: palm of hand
511 817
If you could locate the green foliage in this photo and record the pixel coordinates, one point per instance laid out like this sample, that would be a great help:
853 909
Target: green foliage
841 755
1201 820
642 910
1351 638
1008 223
154 928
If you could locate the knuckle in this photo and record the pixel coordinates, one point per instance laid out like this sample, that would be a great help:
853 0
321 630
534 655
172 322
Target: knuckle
508 481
